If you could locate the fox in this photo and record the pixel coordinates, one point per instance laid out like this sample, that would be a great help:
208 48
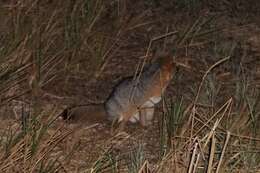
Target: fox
133 99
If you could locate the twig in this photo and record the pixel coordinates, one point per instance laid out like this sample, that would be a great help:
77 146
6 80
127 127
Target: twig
205 75
223 152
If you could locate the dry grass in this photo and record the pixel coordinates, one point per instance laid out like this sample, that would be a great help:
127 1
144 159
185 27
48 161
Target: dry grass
55 53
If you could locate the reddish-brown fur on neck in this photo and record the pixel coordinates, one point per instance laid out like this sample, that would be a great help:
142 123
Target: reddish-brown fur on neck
167 69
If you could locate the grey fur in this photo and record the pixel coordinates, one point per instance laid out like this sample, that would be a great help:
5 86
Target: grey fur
133 94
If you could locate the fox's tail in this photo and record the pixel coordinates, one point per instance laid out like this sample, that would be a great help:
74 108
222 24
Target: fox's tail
92 113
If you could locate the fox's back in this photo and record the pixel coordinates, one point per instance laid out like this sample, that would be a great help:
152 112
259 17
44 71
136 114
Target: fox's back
125 97
130 94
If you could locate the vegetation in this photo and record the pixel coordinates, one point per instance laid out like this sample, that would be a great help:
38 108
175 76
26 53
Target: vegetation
54 53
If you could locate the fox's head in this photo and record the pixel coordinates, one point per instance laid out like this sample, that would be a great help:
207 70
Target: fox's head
167 65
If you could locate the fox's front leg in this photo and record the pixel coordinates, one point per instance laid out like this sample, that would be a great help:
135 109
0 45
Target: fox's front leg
146 116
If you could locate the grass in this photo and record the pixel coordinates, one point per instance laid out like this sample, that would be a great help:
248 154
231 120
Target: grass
170 125
31 149
213 128
136 159
107 161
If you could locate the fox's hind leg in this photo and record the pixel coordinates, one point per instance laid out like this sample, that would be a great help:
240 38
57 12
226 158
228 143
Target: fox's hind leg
118 125
135 118
126 116
122 126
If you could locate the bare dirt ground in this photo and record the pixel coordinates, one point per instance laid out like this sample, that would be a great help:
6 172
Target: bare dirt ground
122 35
